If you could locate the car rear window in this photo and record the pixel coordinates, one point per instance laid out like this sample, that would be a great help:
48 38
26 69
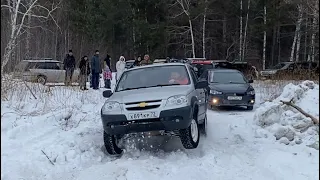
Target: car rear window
226 77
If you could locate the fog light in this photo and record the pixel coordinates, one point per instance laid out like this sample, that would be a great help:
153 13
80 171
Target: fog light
112 126
214 101
252 101
177 120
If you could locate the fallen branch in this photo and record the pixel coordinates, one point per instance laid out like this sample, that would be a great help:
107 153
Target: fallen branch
30 90
47 157
289 103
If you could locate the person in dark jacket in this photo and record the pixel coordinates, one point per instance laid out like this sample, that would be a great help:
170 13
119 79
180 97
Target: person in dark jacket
95 70
84 72
69 66
146 60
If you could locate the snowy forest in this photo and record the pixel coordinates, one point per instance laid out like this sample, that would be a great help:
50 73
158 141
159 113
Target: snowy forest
262 32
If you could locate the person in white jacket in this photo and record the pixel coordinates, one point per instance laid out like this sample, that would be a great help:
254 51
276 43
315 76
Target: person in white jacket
120 66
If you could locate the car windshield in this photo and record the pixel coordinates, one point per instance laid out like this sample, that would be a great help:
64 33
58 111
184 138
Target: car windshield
153 77
279 66
226 77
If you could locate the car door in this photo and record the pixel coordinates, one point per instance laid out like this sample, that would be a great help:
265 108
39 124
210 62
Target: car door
201 95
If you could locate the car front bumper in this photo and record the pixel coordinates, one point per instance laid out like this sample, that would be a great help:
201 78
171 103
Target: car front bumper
169 120
222 100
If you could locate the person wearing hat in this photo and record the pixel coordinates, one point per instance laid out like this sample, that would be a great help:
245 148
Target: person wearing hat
96 69
69 65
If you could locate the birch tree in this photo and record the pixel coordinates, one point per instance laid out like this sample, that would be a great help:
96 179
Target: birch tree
19 11
240 33
204 29
296 34
264 36
245 32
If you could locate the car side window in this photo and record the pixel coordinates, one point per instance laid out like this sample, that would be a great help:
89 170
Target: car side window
193 75
52 66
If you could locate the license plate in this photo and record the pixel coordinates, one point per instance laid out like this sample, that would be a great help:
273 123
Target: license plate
234 97
145 115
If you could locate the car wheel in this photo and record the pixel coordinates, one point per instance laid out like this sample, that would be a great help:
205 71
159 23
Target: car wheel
190 136
42 80
250 108
204 127
111 144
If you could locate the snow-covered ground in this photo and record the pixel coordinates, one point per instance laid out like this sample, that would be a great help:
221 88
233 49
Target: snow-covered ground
64 123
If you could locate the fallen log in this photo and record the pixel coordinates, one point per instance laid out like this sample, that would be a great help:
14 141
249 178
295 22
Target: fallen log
289 103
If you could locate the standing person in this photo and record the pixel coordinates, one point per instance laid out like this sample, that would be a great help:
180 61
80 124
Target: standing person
84 72
146 60
108 60
120 66
137 61
107 76
95 70
69 64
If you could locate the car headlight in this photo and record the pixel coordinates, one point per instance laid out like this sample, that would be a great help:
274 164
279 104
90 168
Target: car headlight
177 100
215 92
252 92
110 106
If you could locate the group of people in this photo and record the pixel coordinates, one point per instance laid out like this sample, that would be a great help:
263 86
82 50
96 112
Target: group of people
87 68
94 68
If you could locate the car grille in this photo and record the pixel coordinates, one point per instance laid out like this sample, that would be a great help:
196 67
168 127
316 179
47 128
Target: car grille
134 106
235 94
142 108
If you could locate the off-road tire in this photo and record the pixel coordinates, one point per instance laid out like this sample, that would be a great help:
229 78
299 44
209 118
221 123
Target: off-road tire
110 142
249 108
41 80
186 137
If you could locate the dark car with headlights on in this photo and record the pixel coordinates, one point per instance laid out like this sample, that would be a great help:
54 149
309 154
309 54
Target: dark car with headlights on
229 87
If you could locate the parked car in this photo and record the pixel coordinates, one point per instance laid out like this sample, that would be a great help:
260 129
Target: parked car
159 61
43 71
248 70
143 104
200 66
292 70
130 64
229 87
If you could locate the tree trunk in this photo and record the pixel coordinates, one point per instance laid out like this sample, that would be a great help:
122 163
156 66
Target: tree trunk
240 35
192 39
306 40
224 36
299 35
298 25
264 37
313 37
204 35
245 32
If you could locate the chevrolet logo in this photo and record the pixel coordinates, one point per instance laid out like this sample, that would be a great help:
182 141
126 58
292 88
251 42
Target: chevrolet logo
143 104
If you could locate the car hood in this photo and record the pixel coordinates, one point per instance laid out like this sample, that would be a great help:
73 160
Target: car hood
149 94
231 88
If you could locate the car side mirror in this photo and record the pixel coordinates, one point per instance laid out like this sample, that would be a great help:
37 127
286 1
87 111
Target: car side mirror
250 81
202 84
107 93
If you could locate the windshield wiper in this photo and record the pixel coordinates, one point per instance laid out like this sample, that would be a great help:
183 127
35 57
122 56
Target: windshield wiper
133 88
161 85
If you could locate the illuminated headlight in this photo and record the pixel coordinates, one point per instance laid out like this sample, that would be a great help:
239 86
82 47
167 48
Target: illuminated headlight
251 92
177 100
215 92
110 106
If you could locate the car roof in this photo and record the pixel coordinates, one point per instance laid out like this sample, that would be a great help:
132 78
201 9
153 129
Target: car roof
130 60
201 62
224 70
221 60
157 65
52 61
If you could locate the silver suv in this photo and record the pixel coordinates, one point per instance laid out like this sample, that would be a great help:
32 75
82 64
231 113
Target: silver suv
164 98
43 71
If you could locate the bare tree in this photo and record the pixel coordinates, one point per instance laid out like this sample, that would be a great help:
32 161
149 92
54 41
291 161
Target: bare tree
264 36
19 11
297 31
245 32
204 30
240 33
